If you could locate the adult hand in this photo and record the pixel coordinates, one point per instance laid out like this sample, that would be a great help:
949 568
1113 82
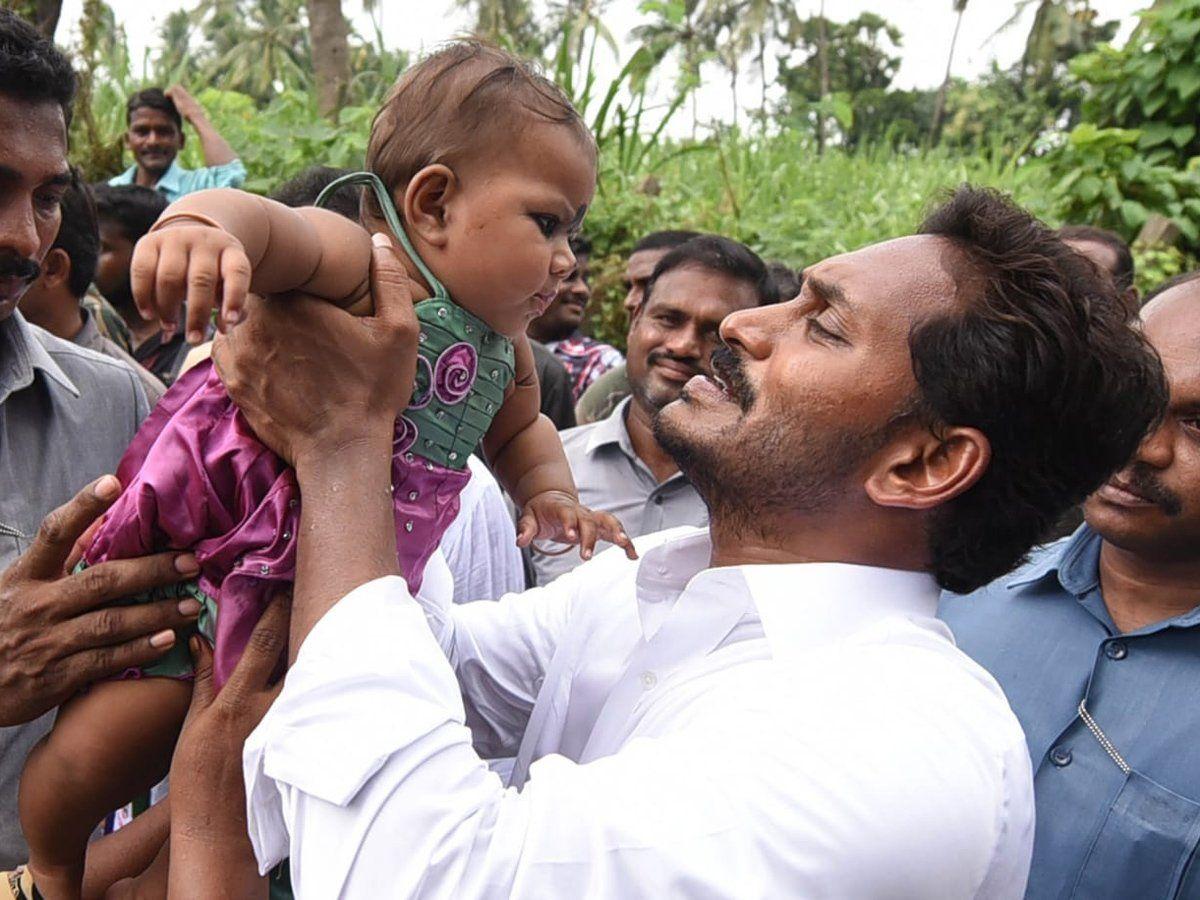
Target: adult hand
189 107
210 848
312 379
56 633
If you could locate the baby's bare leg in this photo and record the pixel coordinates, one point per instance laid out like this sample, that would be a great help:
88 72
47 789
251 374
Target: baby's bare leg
107 746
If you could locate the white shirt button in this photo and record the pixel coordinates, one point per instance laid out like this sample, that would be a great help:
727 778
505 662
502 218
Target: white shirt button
649 680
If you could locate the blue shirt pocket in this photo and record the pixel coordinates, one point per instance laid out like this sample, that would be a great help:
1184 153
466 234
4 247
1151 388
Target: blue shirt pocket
1145 846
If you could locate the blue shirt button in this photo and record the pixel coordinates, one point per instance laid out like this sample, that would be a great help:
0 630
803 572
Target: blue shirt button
1116 650
1061 756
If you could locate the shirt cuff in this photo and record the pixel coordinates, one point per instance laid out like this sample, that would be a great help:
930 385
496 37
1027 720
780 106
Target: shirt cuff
369 680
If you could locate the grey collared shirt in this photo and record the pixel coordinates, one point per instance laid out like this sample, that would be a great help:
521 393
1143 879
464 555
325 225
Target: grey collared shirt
612 478
66 416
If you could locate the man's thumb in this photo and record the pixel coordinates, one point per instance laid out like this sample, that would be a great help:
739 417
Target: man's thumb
389 282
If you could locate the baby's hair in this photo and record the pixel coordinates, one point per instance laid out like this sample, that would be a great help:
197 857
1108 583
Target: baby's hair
459 101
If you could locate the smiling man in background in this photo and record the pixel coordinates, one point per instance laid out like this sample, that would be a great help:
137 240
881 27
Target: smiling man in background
617 463
1096 643
155 137
558 328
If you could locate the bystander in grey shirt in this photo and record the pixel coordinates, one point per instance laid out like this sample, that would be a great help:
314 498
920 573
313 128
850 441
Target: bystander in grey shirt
612 478
89 336
66 416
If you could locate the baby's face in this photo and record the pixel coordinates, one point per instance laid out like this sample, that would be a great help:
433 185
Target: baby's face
506 250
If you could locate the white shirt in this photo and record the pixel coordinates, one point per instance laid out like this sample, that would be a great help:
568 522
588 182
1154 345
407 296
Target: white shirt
480 545
799 730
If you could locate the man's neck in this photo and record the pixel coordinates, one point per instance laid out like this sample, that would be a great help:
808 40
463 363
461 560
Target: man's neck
145 178
762 538
62 319
1140 592
639 422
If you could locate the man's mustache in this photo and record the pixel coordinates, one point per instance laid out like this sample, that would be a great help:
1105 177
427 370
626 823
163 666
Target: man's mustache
13 265
655 356
1145 482
727 366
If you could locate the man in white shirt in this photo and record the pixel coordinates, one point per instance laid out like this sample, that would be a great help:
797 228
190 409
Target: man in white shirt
767 707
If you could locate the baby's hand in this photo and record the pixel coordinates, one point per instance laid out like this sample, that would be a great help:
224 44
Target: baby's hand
188 259
558 516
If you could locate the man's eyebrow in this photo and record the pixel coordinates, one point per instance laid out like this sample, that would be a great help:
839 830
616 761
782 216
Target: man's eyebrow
829 291
8 173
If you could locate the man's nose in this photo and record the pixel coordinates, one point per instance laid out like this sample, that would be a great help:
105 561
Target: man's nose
18 230
749 329
1158 449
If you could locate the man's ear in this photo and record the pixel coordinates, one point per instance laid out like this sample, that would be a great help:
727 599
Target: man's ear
425 203
927 470
56 268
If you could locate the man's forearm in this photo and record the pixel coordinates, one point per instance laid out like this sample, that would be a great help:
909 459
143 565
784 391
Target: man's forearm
216 149
347 528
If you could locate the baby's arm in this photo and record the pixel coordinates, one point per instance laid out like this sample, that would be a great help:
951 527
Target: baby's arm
219 243
527 456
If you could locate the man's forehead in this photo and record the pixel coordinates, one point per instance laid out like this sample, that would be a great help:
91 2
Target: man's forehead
148 115
33 139
645 260
920 270
1171 323
701 291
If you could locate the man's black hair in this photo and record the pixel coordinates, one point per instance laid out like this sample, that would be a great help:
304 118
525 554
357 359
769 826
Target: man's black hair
1041 360
79 236
1123 273
153 98
133 207
1170 283
304 188
664 240
32 68
720 254
580 245
788 281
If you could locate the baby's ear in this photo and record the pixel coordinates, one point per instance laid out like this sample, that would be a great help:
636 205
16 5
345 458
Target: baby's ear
425 201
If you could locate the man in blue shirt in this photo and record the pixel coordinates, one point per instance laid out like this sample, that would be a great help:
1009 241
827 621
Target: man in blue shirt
1096 642
155 137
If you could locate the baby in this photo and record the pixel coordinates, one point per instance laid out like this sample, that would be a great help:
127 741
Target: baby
491 169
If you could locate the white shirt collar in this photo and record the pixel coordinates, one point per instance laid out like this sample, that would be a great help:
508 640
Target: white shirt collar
801 605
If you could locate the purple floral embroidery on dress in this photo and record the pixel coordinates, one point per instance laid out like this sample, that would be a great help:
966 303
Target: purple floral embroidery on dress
405 436
422 385
455 373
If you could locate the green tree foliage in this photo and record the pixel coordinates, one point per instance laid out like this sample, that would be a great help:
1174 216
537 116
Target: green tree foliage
509 23
1152 83
863 57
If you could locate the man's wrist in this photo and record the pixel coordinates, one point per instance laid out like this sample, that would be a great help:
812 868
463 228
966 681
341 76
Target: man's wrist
342 448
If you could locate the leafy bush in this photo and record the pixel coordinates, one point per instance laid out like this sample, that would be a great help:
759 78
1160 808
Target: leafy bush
1152 83
1105 179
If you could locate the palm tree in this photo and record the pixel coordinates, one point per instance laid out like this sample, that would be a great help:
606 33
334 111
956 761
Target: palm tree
674 30
760 21
721 24
575 19
42 14
939 106
330 38
509 23
258 48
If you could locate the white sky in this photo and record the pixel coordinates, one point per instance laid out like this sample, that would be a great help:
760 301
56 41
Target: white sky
926 26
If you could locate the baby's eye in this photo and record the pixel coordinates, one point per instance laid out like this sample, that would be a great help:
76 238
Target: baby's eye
546 223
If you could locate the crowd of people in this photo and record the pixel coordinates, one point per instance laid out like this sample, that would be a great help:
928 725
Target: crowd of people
878 577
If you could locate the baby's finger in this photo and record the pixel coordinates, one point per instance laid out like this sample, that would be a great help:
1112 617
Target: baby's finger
170 283
611 531
203 273
568 518
587 537
527 528
142 270
235 277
